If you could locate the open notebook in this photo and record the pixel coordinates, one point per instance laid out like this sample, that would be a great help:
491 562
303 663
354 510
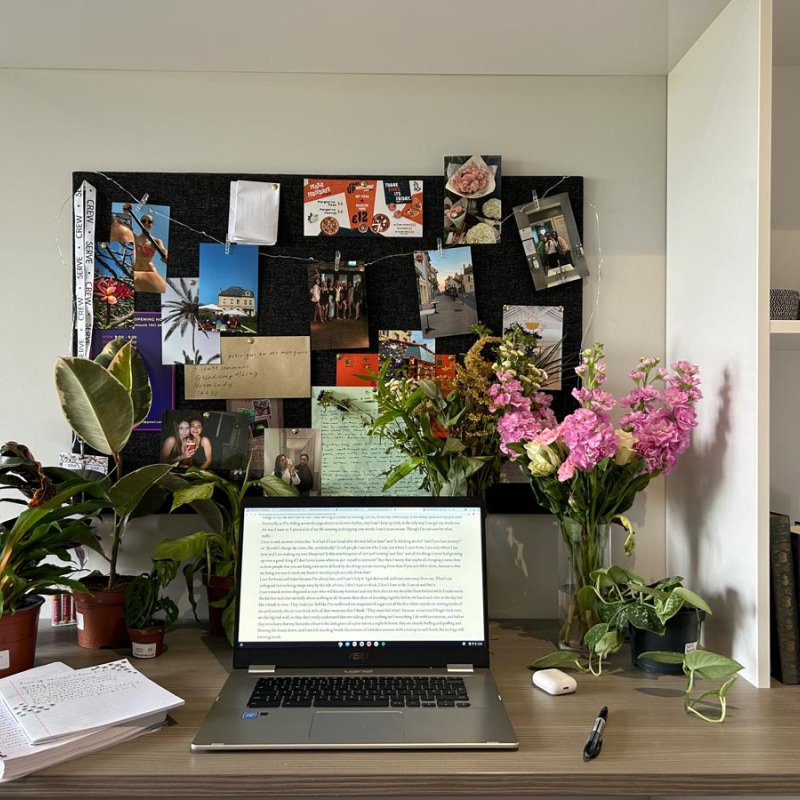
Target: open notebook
361 623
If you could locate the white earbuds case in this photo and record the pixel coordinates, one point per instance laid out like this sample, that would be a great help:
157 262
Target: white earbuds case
554 681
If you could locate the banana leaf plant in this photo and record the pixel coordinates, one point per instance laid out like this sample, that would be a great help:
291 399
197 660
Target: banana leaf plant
215 551
103 400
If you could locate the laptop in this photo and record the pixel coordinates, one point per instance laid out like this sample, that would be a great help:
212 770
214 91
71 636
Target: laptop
360 623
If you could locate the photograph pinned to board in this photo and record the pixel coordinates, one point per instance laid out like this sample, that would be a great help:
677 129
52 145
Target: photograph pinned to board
83 461
356 369
253 212
229 288
183 339
146 335
215 440
149 225
295 456
357 207
551 242
408 352
446 285
263 413
546 325
472 205
112 298
339 317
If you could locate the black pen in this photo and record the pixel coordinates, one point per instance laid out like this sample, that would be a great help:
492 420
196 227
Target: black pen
595 741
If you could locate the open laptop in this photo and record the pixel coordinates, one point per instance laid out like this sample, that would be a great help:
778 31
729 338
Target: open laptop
360 623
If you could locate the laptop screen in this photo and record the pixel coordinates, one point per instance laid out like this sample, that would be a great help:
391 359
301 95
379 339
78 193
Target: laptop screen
368 581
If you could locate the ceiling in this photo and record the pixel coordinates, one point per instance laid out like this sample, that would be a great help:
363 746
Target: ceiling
466 37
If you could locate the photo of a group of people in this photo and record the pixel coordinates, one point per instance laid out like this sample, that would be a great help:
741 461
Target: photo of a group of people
216 440
446 288
338 306
294 455
551 242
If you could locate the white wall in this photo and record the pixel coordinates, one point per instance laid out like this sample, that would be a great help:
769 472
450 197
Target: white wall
610 130
717 270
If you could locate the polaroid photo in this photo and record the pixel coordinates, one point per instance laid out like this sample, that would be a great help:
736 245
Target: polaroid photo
185 338
551 242
149 225
446 286
472 199
229 288
545 325
295 456
338 306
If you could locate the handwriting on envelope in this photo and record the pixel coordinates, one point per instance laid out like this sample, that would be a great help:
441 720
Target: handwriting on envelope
254 366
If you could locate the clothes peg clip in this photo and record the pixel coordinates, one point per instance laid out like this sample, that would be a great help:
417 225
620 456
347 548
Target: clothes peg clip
337 259
439 247
227 246
535 200
144 199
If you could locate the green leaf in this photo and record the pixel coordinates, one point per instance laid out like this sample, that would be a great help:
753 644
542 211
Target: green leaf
692 599
128 363
711 665
207 509
453 445
275 487
96 405
129 490
188 547
644 617
190 493
561 658
586 598
400 471
106 355
663 656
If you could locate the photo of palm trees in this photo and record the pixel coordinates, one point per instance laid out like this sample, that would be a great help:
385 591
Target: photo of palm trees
183 339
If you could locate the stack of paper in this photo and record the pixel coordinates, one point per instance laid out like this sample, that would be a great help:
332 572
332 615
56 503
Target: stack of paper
52 713
253 212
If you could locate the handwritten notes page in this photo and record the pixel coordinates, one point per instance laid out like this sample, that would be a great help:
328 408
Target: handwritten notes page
254 366
82 700
354 463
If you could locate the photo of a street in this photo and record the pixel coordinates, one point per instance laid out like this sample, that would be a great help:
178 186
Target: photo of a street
446 287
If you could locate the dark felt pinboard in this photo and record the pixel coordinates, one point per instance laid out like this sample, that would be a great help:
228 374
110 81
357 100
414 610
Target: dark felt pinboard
201 200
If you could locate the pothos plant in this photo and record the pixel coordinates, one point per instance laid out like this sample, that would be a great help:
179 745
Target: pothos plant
620 599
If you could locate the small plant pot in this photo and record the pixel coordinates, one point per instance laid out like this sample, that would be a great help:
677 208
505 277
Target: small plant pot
18 636
218 588
101 619
681 636
147 642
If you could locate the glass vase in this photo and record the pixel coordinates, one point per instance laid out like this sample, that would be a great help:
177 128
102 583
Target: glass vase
581 549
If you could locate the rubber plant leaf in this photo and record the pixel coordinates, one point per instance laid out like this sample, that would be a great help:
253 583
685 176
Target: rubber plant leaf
96 405
128 368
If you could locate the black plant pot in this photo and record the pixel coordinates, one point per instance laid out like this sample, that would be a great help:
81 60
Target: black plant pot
682 630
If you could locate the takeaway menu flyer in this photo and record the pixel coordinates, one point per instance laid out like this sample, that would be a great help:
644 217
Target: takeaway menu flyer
353 207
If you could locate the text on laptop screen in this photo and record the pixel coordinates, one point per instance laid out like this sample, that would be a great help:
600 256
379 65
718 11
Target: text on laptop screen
330 574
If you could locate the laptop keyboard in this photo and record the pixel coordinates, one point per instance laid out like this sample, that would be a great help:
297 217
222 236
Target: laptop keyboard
359 692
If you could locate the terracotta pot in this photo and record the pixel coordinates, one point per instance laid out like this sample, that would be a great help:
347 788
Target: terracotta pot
18 636
101 619
218 588
147 642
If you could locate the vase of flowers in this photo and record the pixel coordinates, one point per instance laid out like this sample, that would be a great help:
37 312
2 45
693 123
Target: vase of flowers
583 469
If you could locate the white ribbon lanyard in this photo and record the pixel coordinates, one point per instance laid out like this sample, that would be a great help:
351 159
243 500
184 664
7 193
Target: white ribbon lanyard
84 203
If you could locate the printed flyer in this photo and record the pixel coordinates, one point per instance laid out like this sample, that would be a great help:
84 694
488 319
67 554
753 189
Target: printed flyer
354 207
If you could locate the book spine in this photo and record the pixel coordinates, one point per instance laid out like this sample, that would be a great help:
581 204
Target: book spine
786 644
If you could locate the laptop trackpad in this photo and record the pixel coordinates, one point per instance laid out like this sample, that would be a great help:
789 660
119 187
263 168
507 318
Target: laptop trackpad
358 727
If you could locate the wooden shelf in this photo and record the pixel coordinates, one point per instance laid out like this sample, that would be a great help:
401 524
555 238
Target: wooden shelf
784 334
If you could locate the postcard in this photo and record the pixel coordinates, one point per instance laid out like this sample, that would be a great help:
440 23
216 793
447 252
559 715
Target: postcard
546 325
206 439
295 456
338 306
257 366
407 349
353 369
356 207
229 288
149 225
551 242
472 206
112 298
146 335
354 463
184 338
446 284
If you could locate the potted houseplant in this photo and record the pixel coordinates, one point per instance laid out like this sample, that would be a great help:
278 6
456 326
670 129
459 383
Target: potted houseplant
56 521
213 552
149 612
103 401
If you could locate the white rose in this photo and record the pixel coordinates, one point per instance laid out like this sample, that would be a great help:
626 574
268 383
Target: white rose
542 459
625 452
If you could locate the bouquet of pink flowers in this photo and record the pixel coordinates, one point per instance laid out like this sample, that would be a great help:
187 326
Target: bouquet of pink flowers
585 470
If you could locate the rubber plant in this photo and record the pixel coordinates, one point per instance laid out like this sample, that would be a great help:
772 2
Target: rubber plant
103 400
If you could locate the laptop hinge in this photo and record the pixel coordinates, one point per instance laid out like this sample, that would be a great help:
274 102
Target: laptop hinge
460 668
261 669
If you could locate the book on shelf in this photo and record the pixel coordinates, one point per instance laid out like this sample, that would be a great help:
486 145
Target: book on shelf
785 637
19 757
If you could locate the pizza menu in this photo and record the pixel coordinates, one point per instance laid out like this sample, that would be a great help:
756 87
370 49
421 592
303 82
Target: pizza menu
354 207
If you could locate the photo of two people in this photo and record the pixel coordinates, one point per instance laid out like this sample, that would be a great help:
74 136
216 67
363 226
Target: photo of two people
295 456
215 440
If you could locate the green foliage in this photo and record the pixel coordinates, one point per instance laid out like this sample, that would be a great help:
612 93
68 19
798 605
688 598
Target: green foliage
215 551
144 600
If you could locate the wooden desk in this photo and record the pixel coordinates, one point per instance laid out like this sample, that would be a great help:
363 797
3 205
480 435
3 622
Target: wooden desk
650 747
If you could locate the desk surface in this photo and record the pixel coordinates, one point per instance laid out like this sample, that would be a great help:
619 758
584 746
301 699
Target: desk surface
650 746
